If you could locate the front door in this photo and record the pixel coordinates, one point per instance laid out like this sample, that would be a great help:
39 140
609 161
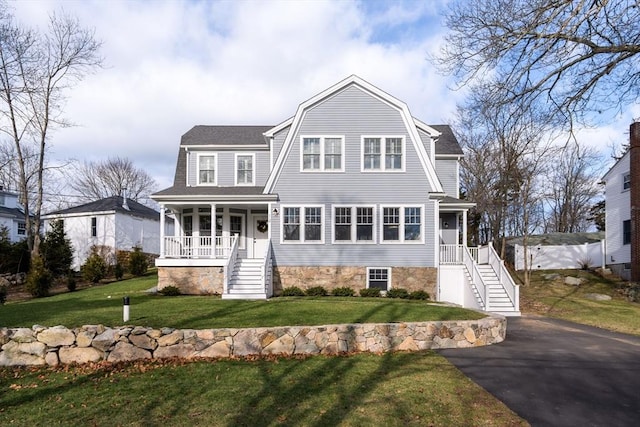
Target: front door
259 236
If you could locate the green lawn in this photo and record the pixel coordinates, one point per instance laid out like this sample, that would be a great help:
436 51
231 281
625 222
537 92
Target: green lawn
103 305
555 299
399 389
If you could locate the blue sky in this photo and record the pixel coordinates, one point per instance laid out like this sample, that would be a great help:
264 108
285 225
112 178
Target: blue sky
170 65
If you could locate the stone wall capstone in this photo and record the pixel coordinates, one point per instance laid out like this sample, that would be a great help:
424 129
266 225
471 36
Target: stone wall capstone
93 343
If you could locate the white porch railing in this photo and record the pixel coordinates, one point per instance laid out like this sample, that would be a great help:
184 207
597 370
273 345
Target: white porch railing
197 246
229 265
476 277
453 254
266 271
504 277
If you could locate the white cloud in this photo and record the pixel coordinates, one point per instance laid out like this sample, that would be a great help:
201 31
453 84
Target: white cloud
171 65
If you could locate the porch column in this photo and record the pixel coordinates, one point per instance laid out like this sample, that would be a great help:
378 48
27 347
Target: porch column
162 213
464 227
214 227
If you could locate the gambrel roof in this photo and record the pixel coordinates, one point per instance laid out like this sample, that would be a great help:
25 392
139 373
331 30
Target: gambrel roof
401 107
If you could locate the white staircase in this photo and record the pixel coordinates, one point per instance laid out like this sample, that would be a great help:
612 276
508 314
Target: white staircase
246 281
498 299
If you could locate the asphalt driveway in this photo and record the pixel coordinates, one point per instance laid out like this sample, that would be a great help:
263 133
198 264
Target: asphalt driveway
557 373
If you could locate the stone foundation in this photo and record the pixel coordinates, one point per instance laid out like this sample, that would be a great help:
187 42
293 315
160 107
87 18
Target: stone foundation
192 280
59 345
304 277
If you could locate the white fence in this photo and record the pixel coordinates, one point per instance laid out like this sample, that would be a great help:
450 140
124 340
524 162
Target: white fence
561 257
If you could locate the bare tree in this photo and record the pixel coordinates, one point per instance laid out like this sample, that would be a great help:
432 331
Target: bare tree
571 187
35 70
97 180
508 148
578 56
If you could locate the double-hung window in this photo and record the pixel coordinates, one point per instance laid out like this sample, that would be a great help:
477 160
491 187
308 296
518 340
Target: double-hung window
352 224
94 226
379 278
244 169
22 228
382 153
207 169
302 224
402 224
626 181
322 154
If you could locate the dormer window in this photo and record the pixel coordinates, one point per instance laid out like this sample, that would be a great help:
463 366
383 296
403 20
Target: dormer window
626 181
207 169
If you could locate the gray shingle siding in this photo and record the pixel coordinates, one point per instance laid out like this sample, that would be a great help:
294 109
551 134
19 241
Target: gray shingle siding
448 174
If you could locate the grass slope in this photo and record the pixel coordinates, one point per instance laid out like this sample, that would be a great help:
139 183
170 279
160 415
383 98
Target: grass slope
103 305
554 298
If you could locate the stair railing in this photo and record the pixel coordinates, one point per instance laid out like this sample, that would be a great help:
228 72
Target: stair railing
476 278
266 271
230 264
512 290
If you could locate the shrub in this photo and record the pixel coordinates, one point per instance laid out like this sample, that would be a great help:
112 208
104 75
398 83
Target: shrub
292 291
423 295
94 269
39 279
170 291
14 257
370 292
398 293
56 250
138 262
118 271
71 282
3 294
316 291
343 292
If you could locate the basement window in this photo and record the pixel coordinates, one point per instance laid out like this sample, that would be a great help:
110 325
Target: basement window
379 278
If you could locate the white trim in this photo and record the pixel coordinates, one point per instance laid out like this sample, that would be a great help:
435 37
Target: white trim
354 225
322 153
233 147
253 169
303 225
187 158
401 237
389 273
428 167
383 153
272 132
215 170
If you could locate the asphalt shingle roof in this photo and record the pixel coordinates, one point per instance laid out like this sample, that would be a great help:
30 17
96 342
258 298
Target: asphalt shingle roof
113 203
447 143
225 135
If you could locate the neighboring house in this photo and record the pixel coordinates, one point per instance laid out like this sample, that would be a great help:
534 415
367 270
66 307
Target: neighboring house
12 215
113 223
619 182
558 251
350 191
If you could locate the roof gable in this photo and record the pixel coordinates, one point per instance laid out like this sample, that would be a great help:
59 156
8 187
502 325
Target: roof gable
354 80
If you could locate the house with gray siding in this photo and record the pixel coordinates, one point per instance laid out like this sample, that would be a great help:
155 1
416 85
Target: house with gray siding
352 190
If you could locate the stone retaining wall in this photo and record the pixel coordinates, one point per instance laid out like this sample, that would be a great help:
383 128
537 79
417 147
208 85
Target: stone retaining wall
192 280
59 345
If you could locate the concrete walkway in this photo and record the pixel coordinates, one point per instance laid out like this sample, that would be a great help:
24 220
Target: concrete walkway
557 373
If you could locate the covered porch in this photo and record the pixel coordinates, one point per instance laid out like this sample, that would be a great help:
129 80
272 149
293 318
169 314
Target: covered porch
218 247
